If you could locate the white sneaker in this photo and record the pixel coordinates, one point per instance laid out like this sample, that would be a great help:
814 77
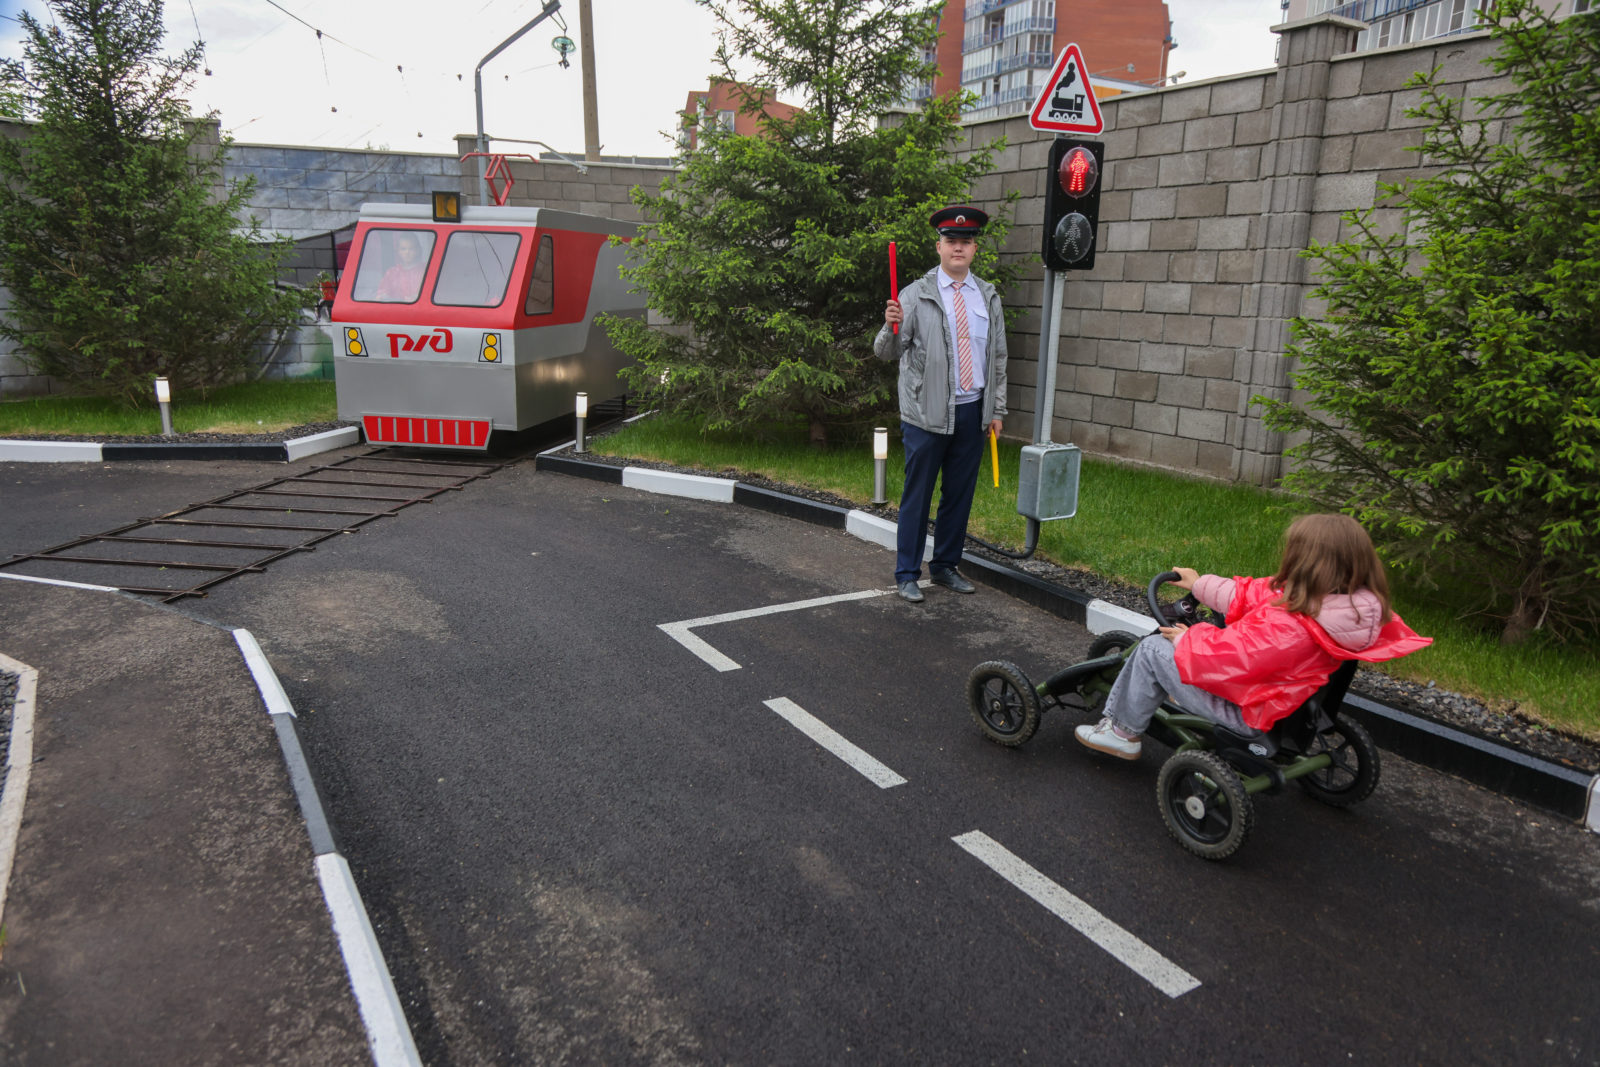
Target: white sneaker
1102 738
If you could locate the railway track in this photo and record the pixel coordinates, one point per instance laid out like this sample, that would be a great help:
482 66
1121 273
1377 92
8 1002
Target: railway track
185 552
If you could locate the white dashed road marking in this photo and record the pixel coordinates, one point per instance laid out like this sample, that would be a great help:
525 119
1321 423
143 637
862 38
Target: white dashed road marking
1143 960
830 739
679 631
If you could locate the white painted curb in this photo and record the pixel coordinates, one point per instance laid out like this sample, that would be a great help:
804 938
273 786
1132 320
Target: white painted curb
876 530
387 1033
49 452
388 1036
1104 616
671 483
58 581
326 441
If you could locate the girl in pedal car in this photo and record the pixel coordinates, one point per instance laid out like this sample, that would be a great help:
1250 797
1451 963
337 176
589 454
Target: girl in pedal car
1285 635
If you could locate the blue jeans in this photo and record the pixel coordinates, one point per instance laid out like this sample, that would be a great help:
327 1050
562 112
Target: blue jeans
954 457
1150 676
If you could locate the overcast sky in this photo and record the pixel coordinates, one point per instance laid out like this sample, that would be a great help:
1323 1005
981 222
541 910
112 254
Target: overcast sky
399 73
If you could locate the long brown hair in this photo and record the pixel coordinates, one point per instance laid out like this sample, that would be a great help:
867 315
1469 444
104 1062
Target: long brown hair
1328 554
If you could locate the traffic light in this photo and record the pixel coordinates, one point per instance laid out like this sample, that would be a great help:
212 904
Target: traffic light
1072 204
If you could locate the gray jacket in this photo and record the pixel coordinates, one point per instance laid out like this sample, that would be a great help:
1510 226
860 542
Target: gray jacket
924 347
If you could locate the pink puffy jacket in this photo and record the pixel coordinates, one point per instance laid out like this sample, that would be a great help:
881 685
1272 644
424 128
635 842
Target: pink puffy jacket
1269 660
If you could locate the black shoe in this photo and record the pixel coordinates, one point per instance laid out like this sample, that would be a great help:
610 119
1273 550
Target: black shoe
952 581
910 592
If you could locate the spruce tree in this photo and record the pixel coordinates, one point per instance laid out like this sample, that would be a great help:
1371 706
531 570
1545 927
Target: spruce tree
769 253
119 242
1454 378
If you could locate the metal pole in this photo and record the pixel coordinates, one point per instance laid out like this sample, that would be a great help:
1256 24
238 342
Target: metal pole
1047 318
477 88
591 111
1047 379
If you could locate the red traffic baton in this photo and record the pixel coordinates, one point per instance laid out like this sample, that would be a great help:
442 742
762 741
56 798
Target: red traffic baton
894 281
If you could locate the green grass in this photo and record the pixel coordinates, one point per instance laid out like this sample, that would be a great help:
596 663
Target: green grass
251 407
1135 522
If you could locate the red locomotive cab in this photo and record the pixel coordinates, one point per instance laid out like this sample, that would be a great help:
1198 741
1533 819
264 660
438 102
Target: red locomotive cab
446 331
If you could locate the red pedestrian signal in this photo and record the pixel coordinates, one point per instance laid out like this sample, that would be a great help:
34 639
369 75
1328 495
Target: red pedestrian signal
1079 172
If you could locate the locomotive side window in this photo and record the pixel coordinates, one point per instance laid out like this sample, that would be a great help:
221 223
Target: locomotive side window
476 269
542 285
392 265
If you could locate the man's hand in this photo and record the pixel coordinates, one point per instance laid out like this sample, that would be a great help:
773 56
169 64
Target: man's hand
892 314
995 426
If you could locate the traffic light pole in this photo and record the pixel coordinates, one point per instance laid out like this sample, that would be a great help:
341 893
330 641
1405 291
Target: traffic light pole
1049 350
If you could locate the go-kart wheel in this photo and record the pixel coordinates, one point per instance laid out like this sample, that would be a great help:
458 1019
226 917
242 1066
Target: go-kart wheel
1204 804
1111 641
1354 773
1003 702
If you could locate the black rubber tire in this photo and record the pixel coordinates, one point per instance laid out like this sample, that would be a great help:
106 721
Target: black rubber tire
1204 804
1356 769
1003 703
1109 642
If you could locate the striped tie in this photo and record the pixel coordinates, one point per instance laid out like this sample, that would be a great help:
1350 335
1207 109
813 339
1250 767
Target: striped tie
963 336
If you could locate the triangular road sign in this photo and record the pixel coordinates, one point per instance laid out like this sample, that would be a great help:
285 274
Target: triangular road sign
1067 104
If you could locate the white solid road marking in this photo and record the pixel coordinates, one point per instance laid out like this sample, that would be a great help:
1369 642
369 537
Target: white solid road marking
679 631
1145 961
830 739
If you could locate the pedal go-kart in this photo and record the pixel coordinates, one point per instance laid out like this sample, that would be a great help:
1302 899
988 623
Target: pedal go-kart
1205 786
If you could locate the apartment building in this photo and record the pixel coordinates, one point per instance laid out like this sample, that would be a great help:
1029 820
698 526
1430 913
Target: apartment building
1003 50
721 105
1395 22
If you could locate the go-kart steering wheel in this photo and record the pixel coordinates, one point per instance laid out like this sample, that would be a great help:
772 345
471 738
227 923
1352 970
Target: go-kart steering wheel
1185 612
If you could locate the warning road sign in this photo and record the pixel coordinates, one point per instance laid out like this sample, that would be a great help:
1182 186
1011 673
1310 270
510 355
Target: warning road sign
1067 104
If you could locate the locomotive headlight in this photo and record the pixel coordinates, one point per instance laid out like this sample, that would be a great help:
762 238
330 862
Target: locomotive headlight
489 351
353 344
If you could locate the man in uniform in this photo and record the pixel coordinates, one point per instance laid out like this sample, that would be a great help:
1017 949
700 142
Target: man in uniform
952 352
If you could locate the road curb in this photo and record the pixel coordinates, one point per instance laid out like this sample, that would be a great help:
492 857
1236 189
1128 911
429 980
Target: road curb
111 452
388 1035
1479 760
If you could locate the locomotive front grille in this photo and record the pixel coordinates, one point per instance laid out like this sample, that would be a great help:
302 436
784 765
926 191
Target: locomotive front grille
415 430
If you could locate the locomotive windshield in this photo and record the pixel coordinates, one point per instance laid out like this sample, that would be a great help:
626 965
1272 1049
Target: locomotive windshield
392 265
476 269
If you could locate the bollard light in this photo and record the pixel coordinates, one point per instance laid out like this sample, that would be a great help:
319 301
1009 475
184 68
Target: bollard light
583 416
164 401
880 464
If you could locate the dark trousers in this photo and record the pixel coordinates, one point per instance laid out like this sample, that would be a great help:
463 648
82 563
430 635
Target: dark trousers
954 457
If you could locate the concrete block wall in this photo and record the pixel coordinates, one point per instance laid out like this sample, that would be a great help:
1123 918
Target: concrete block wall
302 191
1211 192
600 188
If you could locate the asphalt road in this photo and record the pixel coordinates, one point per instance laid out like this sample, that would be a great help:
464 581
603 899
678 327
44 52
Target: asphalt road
580 842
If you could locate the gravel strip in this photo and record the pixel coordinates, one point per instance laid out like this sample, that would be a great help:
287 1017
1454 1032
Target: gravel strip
1505 726
8 702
